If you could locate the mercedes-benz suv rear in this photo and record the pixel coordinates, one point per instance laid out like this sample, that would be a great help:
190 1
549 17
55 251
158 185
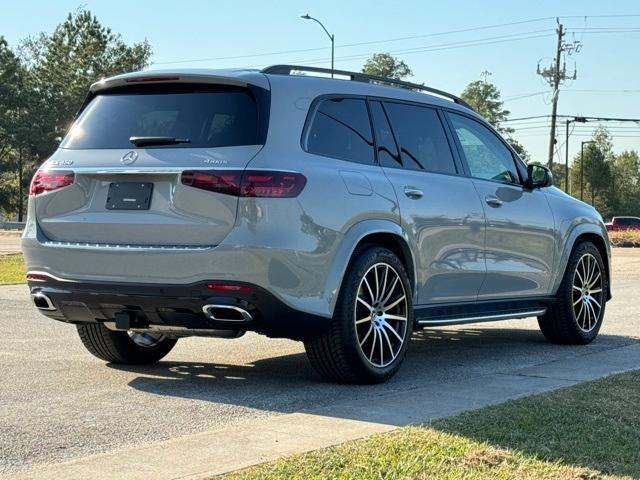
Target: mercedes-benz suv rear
340 213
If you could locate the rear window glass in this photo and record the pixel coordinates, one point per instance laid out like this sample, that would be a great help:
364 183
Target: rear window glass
220 118
341 129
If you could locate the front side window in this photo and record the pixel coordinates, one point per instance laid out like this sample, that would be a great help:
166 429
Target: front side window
488 158
423 143
341 129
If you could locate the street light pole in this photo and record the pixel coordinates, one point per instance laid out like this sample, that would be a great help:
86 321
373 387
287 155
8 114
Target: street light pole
566 149
330 35
582 167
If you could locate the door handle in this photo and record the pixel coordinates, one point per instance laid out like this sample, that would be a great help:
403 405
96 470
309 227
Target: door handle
493 201
413 193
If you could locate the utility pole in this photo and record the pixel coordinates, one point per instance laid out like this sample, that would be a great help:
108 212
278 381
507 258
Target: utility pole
485 74
555 75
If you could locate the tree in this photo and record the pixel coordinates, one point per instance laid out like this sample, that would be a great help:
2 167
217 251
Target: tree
625 173
65 63
42 89
484 97
386 65
597 173
12 101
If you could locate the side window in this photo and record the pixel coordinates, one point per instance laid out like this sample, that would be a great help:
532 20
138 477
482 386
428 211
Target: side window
423 143
488 158
388 155
340 128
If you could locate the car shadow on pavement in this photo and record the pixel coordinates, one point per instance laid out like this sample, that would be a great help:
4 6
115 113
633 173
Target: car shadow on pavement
287 383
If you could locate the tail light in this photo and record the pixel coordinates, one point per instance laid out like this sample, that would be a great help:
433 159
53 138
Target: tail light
250 183
47 181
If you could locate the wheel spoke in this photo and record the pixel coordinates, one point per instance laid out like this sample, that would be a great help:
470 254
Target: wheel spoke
384 281
373 300
591 299
593 282
597 290
375 272
577 288
396 302
574 303
395 317
381 349
392 330
388 343
587 307
393 288
365 303
579 315
579 267
367 335
373 344
362 320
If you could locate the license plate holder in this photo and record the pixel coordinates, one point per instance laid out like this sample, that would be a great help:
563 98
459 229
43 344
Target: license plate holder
129 196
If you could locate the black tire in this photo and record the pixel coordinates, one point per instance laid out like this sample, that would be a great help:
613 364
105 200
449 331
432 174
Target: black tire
337 354
561 324
118 347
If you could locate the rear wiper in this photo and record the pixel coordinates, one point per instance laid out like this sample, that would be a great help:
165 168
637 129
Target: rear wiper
150 141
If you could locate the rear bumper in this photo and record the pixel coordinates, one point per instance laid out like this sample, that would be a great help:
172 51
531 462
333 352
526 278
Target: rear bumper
179 306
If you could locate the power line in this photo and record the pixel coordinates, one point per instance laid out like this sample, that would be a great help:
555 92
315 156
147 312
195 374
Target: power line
432 48
358 44
404 38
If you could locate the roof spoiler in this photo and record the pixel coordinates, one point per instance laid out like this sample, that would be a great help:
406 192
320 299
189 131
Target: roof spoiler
163 77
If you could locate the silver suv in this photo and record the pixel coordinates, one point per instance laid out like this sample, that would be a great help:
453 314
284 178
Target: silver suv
343 212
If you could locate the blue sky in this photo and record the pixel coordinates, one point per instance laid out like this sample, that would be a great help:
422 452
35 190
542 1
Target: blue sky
608 63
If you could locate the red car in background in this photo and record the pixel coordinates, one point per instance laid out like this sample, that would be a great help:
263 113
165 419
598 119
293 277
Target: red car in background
623 223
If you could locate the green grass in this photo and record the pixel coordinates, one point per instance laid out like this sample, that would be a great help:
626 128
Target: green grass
590 431
11 269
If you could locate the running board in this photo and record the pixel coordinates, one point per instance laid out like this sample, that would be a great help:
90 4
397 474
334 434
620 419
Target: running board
453 314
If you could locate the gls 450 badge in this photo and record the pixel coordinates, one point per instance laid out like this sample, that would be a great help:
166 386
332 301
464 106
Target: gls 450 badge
60 163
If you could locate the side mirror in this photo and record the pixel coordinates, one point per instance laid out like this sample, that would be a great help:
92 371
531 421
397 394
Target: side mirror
539 176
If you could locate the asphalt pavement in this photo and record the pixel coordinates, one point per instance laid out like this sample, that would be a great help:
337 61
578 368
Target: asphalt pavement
58 403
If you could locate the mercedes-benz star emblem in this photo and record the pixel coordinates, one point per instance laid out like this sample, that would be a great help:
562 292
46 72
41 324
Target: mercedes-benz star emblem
129 158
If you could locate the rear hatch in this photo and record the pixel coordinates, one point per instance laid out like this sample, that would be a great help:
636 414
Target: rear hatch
128 191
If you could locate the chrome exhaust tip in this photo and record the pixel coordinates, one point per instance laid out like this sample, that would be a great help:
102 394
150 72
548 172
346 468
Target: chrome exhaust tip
226 313
42 302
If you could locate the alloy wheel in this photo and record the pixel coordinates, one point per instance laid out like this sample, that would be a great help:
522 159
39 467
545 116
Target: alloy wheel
381 315
587 294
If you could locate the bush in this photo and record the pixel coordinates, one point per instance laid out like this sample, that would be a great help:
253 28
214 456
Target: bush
625 238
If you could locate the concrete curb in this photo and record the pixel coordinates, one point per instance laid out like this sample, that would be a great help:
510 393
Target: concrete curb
220 451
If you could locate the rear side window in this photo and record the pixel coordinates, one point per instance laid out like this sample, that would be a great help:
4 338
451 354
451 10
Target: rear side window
488 158
420 134
340 128
220 117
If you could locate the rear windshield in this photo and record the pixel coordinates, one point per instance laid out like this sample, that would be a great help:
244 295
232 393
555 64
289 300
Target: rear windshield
222 117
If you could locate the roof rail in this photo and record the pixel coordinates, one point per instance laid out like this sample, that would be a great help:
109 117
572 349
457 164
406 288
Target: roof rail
363 77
